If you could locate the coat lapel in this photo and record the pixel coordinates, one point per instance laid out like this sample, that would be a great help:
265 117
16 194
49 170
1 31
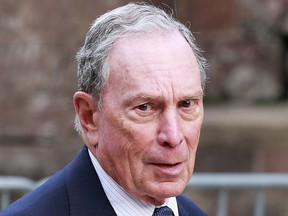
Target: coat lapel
85 193
181 209
188 208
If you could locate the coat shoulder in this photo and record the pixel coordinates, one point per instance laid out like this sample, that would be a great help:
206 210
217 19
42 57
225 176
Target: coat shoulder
188 207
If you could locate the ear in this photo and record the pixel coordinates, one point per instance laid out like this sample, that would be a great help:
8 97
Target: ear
87 111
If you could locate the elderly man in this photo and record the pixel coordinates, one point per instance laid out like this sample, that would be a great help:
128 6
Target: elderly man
139 111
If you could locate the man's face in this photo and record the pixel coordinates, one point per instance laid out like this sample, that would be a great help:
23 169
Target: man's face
151 116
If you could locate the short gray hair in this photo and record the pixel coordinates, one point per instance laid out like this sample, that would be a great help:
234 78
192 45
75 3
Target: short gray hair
131 19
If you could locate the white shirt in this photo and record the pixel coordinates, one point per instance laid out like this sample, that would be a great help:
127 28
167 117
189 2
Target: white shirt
121 201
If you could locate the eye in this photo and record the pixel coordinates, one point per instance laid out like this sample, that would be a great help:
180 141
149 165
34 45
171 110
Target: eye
144 107
145 110
190 109
186 103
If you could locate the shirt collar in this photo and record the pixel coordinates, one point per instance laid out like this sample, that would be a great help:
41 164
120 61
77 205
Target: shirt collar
121 201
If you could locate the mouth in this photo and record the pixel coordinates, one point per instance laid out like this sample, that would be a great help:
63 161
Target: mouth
169 169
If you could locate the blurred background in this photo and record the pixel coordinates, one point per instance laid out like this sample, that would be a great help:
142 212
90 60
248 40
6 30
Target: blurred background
246 122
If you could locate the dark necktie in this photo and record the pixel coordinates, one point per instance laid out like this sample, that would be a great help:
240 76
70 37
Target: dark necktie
163 211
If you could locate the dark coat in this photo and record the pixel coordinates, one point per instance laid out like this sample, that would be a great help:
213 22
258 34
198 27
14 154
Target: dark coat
76 191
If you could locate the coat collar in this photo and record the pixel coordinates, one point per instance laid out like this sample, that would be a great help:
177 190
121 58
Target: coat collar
85 193
187 208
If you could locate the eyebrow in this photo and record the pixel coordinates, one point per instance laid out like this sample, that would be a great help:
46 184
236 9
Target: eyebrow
148 97
198 93
140 97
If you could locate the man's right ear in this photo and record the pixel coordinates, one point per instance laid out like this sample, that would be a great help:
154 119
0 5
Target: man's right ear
87 111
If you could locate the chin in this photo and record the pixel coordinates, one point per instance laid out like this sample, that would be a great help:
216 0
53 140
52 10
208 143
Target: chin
158 192
168 189
159 197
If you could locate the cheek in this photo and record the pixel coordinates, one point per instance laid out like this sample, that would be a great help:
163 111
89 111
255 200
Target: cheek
125 137
126 144
136 134
192 134
192 140
113 125
123 131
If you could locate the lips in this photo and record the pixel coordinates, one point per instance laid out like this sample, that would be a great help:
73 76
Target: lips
166 164
169 168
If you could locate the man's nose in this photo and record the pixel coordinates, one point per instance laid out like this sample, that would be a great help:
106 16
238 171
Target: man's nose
170 133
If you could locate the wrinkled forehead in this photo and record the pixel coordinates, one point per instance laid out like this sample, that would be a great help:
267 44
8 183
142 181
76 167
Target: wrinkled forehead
156 48
160 59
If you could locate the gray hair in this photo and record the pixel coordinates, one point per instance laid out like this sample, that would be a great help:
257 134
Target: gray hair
131 19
